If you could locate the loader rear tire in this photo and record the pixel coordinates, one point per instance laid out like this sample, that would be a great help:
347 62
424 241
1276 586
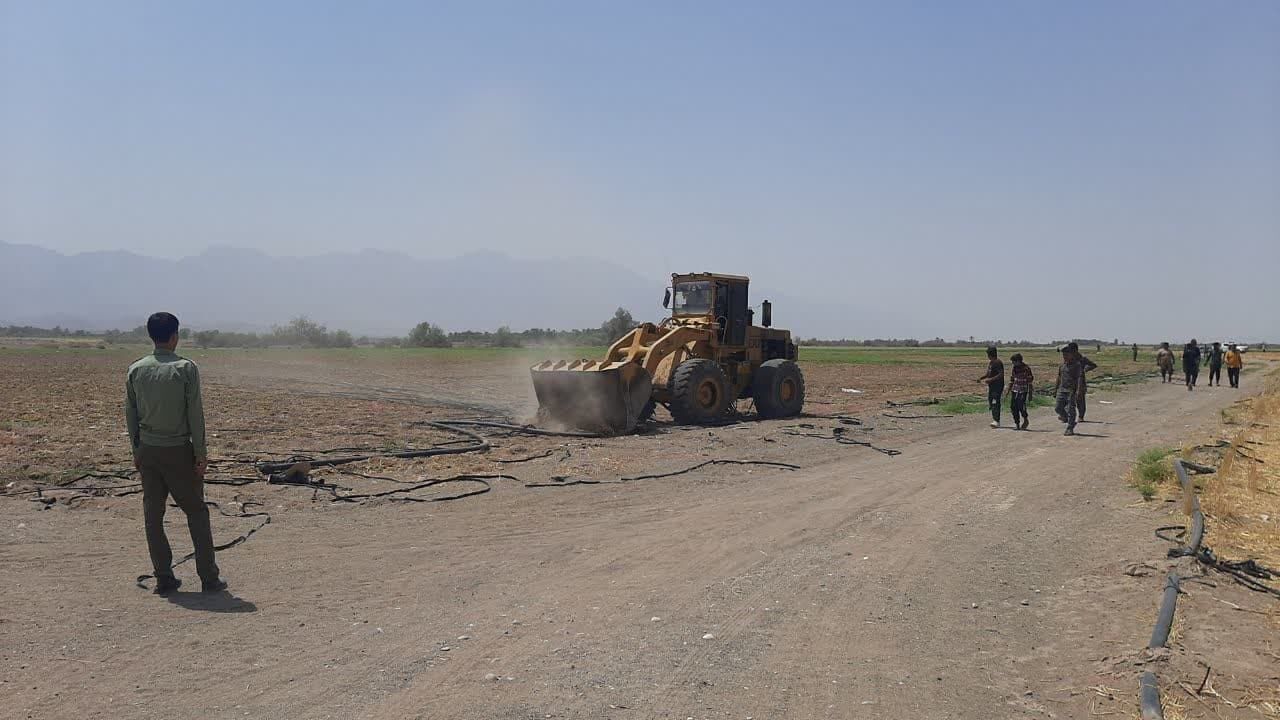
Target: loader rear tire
778 389
699 392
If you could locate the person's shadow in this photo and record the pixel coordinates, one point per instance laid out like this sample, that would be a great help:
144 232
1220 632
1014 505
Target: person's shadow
219 602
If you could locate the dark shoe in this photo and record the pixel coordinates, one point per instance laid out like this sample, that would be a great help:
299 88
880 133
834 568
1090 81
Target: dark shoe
1062 418
213 586
1026 424
166 586
1069 431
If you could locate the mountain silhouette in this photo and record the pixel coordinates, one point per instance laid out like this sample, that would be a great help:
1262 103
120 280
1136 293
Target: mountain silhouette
369 292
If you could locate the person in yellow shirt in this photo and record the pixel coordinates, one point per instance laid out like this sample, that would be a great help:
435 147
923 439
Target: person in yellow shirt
1234 363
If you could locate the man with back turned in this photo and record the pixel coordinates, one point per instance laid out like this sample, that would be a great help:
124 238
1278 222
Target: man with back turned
1067 387
165 416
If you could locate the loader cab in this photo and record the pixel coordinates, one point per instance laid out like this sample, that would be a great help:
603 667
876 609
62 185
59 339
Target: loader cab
719 299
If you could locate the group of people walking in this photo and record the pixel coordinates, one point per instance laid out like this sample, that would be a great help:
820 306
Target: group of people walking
1214 358
1070 389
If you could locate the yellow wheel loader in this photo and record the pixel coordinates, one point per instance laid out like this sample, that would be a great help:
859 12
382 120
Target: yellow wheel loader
696 362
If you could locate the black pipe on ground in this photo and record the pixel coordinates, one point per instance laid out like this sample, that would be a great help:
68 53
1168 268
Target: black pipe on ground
1164 621
478 444
1149 697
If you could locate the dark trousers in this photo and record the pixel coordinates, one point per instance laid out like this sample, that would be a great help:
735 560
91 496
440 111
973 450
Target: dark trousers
1018 404
1081 402
1166 374
1215 373
995 391
1233 376
1066 407
171 471
1192 374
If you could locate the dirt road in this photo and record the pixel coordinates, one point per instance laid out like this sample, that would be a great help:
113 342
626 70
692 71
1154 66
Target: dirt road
977 575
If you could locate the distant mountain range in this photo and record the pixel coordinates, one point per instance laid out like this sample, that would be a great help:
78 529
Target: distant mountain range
366 292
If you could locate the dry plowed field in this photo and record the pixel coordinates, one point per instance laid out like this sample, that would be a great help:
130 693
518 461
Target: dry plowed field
875 562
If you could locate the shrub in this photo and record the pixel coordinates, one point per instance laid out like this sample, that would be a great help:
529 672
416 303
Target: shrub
424 334
620 324
504 338
1154 466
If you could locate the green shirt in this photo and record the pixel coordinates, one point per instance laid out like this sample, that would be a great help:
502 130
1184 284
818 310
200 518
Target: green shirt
162 402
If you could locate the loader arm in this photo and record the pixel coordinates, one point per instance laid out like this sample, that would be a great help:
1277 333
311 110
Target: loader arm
649 345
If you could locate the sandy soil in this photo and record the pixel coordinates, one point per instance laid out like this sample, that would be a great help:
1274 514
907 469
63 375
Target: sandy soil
979 574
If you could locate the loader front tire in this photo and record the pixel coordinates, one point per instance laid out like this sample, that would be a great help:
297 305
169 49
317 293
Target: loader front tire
699 392
778 389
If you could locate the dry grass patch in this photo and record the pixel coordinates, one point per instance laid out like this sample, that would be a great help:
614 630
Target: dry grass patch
1242 500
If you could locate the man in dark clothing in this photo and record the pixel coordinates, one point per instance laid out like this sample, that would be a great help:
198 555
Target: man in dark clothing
1085 366
165 416
1191 363
1020 387
994 380
1067 387
1135 352
1213 359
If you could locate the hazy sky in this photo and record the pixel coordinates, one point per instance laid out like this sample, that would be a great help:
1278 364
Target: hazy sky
1007 168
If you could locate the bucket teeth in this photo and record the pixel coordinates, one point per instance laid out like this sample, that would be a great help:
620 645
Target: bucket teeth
591 395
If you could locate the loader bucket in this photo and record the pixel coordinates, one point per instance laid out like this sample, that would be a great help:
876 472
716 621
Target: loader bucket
591 395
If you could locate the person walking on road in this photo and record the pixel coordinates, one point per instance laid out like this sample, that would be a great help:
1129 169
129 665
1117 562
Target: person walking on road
994 380
165 417
1085 366
1164 361
1191 363
1020 387
1067 387
1214 360
1235 361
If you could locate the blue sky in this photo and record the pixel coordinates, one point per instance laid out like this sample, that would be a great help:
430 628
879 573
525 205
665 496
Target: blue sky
1001 168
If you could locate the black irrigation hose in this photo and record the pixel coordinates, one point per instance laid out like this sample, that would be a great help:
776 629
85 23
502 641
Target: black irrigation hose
482 480
846 419
240 539
562 481
538 456
1246 572
839 438
909 403
510 427
478 444
1164 620
1149 697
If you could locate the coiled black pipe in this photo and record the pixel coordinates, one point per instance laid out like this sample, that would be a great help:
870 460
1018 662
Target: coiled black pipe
478 444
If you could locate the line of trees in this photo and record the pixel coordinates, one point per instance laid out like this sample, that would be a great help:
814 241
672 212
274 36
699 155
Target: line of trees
304 332
300 331
426 334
